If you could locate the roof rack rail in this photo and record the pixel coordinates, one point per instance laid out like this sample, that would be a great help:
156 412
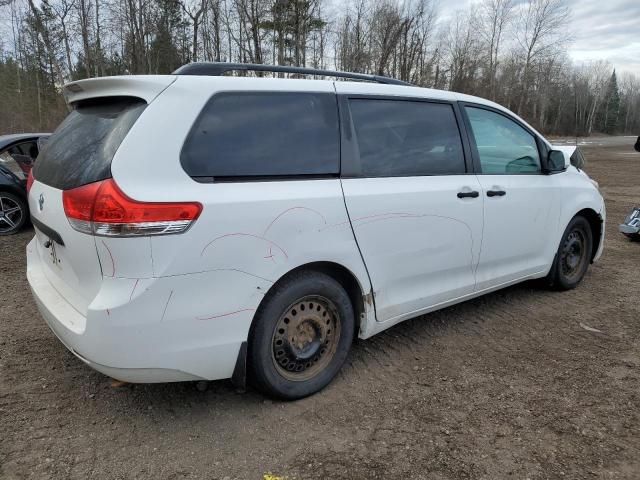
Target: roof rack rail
220 68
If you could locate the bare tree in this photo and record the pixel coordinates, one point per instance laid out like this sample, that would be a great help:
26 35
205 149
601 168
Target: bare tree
352 51
63 10
494 16
540 33
387 25
42 31
462 52
512 51
212 28
195 12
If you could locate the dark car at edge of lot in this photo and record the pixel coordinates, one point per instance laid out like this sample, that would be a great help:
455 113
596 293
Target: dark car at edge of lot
18 153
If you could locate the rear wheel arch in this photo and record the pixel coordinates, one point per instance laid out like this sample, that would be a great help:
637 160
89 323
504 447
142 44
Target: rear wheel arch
260 359
345 277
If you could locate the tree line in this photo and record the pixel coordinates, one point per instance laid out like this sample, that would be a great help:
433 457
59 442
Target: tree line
509 51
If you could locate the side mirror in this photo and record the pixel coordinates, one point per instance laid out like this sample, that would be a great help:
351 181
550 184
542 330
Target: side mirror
555 161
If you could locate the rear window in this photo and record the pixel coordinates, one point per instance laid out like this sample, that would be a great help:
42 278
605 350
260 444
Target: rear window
264 134
81 149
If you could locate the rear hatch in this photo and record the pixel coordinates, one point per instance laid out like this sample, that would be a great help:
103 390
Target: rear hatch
78 153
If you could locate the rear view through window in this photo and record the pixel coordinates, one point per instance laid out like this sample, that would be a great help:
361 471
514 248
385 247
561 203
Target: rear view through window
264 134
81 149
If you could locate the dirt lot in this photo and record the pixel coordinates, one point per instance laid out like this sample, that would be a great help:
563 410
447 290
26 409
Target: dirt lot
505 386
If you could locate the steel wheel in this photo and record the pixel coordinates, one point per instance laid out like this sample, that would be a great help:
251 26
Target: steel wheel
301 335
306 338
12 214
573 254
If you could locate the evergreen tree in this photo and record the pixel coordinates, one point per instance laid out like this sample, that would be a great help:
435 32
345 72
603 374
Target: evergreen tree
164 54
612 106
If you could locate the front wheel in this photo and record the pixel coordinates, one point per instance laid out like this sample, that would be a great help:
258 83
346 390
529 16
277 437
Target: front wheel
573 255
301 336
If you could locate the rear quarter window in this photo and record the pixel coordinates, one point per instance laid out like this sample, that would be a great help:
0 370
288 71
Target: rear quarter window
264 134
81 149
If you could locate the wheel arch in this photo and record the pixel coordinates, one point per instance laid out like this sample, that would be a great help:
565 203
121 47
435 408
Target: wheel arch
362 302
14 190
596 224
363 305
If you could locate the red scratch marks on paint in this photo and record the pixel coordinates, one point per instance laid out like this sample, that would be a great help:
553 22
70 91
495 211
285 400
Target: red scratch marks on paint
263 237
375 218
241 234
386 216
166 305
270 254
113 263
239 271
290 210
226 314
134 289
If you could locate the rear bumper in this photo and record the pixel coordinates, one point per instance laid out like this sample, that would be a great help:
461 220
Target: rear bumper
128 345
72 340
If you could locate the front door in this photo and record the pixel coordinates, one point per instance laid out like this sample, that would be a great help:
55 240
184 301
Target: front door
517 198
415 211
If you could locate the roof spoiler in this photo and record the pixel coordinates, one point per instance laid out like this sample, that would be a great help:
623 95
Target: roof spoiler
147 87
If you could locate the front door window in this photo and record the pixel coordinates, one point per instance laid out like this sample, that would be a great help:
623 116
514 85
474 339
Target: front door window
504 147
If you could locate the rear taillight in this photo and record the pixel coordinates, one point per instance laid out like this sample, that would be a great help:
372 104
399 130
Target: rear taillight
101 208
30 180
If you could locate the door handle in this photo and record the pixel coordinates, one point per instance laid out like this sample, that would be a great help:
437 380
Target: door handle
472 194
496 193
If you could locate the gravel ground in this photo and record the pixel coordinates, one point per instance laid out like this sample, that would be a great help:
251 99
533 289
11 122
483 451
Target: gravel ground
505 386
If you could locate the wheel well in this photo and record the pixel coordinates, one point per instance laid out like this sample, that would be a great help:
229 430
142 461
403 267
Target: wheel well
14 191
595 222
344 277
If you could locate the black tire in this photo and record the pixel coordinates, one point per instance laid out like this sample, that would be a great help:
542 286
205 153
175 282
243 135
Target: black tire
573 256
13 213
301 336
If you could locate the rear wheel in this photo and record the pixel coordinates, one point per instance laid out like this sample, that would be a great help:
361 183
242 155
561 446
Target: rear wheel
573 255
13 213
301 336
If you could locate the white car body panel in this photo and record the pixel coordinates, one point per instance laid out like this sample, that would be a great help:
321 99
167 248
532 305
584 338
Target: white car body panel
514 242
73 268
420 242
179 307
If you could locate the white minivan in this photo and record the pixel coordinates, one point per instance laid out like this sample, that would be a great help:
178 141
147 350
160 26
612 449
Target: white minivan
198 226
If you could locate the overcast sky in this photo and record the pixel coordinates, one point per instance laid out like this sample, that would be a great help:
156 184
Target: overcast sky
601 30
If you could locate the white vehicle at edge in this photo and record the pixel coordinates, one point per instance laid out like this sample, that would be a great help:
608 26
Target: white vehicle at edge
195 227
